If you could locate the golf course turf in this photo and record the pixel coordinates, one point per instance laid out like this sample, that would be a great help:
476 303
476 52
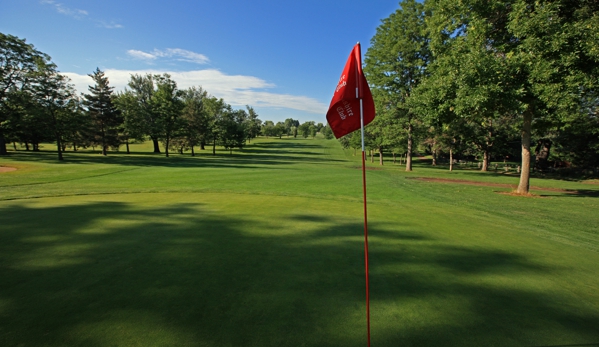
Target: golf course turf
264 247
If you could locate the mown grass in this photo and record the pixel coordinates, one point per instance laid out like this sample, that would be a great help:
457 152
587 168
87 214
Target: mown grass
264 248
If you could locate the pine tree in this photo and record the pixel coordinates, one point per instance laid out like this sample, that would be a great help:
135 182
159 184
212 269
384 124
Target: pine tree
105 117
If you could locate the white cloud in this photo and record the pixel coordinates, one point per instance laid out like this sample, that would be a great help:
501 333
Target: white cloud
237 90
78 14
176 53
141 55
60 8
111 25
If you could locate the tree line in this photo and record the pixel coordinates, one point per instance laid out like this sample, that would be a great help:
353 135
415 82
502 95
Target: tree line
487 79
38 104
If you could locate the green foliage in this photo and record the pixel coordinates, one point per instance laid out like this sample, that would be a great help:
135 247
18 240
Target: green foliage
558 48
253 124
167 106
304 129
396 63
103 113
327 132
20 64
290 125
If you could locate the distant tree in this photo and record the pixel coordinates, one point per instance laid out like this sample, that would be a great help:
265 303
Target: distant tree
253 124
76 124
140 118
194 118
280 129
290 123
268 128
319 127
217 110
304 128
232 134
167 106
327 132
104 115
313 131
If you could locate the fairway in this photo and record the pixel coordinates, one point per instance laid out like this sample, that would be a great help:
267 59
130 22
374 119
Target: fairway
264 247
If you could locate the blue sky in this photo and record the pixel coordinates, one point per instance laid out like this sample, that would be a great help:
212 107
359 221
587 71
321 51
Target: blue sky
283 58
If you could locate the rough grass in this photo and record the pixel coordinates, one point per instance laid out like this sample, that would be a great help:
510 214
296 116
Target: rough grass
264 248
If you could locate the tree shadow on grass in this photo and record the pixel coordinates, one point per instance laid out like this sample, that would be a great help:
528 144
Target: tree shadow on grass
253 156
113 273
574 193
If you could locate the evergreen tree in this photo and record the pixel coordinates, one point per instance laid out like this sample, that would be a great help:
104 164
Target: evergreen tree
105 117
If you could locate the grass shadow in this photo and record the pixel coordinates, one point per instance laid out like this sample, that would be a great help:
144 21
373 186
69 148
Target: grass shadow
113 273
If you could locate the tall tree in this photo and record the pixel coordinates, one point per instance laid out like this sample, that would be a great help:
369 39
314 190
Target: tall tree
167 106
396 63
19 63
253 123
216 110
194 117
141 119
53 94
559 60
232 129
104 115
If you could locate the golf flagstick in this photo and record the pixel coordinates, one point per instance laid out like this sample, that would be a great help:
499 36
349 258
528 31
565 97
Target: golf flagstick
351 96
359 96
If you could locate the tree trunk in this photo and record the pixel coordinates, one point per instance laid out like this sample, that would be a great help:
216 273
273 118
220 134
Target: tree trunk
486 158
450 159
14 145
542 154
372 156
394 156
202 146
193 154
166 147
3 150
214 147
409 153
59 147
434 150
380 156
127 144
103 142
156 145
524 184
26 146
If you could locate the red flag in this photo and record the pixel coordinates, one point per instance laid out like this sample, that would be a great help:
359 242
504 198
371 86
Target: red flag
344 112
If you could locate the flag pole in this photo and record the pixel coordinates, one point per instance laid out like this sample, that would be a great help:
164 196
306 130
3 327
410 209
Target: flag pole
359 96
